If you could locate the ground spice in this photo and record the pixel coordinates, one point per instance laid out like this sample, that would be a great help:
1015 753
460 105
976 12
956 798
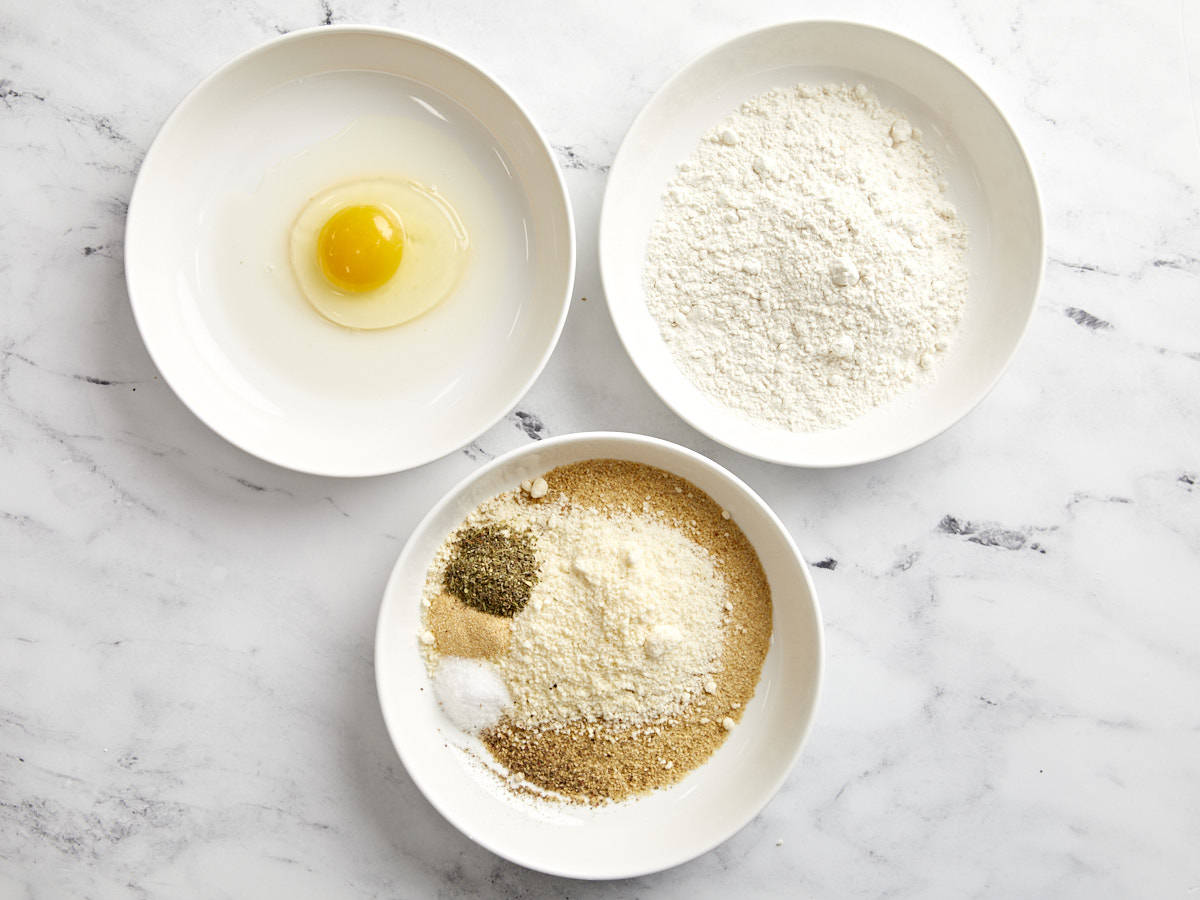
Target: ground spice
492 568
600 763
460 630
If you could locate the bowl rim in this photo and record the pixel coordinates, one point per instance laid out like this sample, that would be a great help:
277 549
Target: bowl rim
617 438
133 219
622 161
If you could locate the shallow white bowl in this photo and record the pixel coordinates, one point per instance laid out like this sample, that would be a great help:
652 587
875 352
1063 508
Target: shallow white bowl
224 321
645 835
991 183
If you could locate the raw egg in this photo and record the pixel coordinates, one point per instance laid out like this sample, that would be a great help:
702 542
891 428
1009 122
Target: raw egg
378 252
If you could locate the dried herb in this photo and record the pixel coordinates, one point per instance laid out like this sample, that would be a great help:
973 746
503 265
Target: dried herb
493 569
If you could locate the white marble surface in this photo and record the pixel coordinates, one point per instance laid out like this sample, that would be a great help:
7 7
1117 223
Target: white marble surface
1013 681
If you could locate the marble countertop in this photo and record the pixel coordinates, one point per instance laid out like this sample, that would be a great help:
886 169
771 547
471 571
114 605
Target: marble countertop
1012 700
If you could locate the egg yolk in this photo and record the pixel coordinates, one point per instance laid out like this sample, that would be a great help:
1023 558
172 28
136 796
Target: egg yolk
359 248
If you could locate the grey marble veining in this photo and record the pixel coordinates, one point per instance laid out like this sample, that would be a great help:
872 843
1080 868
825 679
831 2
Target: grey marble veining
1012 703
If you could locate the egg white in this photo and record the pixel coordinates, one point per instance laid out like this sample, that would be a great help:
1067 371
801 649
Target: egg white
278 348
435 254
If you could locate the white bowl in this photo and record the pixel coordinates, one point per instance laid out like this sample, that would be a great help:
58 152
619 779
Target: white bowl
214 296
654 832
991 184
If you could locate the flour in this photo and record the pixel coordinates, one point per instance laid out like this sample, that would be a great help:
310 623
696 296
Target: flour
806 266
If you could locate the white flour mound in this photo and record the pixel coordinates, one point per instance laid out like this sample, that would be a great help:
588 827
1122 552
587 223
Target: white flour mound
806 267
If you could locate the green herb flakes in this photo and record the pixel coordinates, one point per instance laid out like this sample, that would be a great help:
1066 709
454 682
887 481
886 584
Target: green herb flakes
493 569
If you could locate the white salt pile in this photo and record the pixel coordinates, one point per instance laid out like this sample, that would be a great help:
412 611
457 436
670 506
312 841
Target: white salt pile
472 692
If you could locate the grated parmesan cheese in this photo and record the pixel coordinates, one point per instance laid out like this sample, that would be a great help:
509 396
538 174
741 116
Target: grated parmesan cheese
629 624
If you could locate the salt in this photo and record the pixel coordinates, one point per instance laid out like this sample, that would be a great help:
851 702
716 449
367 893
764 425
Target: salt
471 691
